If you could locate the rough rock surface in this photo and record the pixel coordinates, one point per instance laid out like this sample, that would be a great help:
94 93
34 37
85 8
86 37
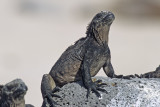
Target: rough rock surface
12 94
121 93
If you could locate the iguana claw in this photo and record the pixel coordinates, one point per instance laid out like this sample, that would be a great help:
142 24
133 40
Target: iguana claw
48 101
95 87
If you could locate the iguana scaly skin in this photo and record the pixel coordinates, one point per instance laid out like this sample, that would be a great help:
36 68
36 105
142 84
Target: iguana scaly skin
152 74
82 60
12 94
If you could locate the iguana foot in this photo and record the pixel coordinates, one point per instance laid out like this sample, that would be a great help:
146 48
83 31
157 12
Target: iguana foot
126 77
95 87
129 77
56 89
138 76
98 83
48 103
48 100
117 76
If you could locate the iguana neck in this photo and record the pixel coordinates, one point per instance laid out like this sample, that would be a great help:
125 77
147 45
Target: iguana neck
102 35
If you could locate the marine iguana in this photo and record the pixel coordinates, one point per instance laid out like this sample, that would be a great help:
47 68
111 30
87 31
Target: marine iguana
152 74
12 94
82 60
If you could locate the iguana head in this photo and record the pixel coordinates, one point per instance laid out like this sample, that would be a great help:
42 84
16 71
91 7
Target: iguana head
100 25
13 94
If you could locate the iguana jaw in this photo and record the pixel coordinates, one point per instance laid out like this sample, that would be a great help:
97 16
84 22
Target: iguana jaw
108 18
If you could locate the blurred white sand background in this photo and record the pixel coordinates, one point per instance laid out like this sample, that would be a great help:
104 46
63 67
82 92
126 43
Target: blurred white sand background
34 33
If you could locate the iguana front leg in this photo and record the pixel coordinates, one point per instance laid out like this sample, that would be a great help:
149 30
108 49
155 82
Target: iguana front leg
48 87
108 69
88 62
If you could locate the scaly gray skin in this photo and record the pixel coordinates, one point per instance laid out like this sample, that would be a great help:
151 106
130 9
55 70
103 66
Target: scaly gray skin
152 74
12 94
82 60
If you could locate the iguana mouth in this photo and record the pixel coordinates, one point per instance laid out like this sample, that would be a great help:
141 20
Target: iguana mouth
104 17
108 17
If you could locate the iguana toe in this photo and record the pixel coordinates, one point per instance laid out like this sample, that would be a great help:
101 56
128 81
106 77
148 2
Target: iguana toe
56 89
99 83
95 88
49 102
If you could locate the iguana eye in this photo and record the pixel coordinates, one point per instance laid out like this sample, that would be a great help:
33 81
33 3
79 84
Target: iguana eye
98 15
